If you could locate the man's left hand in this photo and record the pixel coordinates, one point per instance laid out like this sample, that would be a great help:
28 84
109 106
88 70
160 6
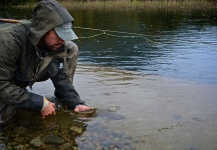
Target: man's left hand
80 108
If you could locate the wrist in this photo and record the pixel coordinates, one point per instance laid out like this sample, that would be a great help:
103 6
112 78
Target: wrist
45 103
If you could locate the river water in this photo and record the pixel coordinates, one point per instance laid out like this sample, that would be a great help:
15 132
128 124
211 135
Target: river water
150 74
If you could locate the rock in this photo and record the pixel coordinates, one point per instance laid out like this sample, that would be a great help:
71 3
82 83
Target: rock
36 142
54 139
9 147
76 129
113 108
65 146
25 122
19 147
20 131
19 139
14 143
2 146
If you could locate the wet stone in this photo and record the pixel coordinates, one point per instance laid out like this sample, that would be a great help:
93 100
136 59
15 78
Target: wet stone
50 147
25 122
113 108
2 146
54 139
19 139
76 129
65 146
20 130
19 147
36 142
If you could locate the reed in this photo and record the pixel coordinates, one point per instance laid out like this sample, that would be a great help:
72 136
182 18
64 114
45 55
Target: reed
134 4
121 4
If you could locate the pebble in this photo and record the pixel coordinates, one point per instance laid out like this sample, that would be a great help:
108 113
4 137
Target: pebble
36 142
76 129
54 139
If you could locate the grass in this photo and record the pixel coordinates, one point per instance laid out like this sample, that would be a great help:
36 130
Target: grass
133 4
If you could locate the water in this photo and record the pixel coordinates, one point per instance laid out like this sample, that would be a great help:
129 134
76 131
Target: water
175 44
155 90
178 44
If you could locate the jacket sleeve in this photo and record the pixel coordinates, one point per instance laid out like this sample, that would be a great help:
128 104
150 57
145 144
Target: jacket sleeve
9 92
64 89
62 71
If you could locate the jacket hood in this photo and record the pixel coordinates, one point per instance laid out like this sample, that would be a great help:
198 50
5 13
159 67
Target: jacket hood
47 15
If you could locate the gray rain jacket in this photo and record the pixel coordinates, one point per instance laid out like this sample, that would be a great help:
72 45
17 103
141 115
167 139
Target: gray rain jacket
21 66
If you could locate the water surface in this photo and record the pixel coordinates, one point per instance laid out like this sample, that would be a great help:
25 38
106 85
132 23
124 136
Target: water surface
178 44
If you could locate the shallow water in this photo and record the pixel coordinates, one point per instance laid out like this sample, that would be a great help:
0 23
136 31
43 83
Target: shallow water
152 112
155 91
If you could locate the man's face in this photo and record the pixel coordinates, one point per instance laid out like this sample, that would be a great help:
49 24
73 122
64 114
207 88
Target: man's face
52 40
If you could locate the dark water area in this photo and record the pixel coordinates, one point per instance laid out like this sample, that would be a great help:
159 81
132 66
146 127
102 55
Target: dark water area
169 43
179 44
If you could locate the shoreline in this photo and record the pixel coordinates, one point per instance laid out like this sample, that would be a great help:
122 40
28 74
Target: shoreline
127 4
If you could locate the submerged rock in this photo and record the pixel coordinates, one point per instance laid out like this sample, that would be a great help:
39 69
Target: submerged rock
19 147
2 146
36 142
76 129
25 122
20 131
65 146
54 139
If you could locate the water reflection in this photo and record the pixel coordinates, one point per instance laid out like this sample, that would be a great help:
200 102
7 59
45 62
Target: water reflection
175 43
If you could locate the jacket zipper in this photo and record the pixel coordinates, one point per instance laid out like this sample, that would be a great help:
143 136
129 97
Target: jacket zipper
33 77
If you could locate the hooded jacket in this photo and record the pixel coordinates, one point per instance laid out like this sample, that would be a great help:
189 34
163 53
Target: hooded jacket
21 65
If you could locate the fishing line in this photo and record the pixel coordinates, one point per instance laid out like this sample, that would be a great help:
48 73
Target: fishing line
133 35
108 33
112 33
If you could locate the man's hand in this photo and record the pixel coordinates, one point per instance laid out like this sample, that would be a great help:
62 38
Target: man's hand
80 108
49 110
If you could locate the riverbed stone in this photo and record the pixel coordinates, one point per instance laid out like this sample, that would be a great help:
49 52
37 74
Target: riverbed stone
19 147
25 122
20 131
76 129
2 146
65 146
36 142
19 139
54 139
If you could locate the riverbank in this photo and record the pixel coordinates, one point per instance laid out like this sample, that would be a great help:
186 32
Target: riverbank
132 4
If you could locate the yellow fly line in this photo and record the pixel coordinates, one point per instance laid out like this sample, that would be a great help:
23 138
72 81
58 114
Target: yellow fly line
103 32
112 33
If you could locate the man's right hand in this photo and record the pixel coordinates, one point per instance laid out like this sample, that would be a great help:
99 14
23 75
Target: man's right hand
49 110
